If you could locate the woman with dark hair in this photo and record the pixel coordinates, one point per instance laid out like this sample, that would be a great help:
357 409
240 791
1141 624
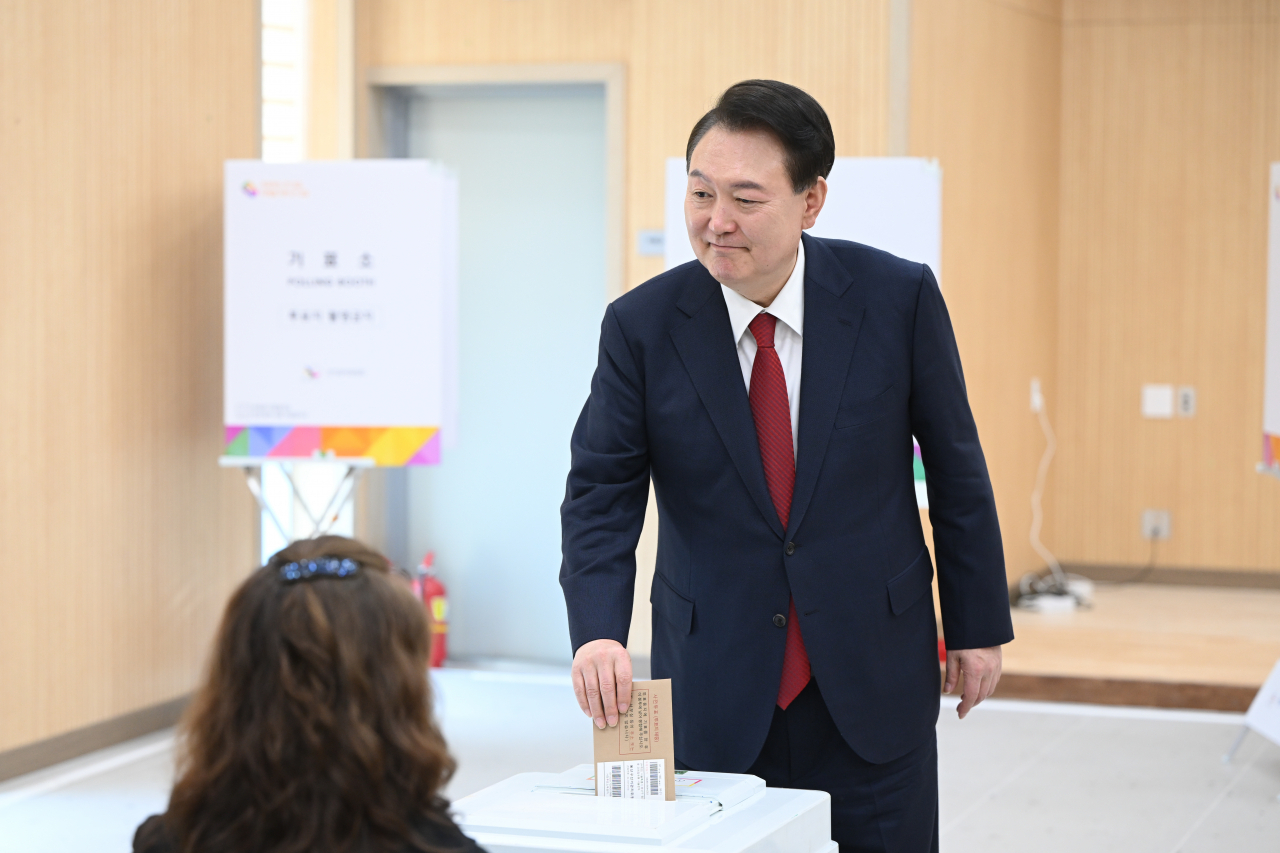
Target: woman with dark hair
313 729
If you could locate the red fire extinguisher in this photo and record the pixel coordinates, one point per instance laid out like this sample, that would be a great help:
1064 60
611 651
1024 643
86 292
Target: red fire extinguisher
428 586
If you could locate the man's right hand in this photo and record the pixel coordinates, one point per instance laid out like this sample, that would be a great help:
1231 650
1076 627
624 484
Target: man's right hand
602 680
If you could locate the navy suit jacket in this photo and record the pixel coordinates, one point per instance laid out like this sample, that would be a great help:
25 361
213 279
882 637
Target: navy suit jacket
668 402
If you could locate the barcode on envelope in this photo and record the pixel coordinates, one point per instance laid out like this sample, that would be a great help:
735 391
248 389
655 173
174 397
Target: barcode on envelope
632 780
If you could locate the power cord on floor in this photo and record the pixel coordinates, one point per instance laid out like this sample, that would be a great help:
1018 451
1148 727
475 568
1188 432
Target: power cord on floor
1142 574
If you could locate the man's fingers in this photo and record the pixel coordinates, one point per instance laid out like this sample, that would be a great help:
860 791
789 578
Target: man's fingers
602 680
972 694
953 672
622 669
608 691
980 670
593 695
580 690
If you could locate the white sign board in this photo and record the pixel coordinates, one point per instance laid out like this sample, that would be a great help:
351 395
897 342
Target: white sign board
891 203
1271 401
1264 712
340 287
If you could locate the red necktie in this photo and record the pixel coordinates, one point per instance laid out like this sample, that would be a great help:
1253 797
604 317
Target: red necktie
772 413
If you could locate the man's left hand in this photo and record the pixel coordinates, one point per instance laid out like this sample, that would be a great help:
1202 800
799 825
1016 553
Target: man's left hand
981 668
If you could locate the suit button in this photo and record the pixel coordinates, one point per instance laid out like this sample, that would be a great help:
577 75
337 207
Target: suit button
791 548
779 620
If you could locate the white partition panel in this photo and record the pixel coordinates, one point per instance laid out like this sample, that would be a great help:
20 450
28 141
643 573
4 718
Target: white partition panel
892 203
339 309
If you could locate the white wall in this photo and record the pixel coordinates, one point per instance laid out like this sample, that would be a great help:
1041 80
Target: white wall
531 168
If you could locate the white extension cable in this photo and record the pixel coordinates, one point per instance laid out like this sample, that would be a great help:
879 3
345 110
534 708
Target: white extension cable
1059 591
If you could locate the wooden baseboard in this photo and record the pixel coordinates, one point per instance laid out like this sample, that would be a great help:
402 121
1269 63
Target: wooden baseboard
41 754
1105 573
1114 691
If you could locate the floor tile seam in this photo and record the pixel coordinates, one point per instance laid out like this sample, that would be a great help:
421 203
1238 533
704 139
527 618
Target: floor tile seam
1120 674
88 771
87 759
1133 671
535 679
1137 640
1217 801
1085 709
1018 771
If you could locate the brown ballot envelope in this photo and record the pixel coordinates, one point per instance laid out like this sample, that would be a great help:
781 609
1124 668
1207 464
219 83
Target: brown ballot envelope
636 759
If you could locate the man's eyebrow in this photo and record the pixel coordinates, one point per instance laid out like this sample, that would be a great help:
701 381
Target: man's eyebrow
738 185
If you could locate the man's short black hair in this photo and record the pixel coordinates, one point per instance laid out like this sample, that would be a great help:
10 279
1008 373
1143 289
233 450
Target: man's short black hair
794 118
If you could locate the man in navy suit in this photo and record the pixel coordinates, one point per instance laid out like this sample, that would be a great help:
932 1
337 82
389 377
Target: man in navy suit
771 391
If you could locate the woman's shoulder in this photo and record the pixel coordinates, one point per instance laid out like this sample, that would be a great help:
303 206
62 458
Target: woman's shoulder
441 833
153 837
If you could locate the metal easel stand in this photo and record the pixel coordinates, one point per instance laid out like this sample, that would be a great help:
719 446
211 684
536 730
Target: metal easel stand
321 523
1235 745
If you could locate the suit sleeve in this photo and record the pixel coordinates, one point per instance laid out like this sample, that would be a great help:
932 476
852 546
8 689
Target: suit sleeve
966 533
606 495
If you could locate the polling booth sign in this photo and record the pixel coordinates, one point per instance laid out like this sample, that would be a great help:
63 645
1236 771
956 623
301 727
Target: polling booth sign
340 308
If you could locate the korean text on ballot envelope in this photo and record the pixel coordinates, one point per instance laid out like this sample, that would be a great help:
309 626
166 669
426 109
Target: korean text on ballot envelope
636 759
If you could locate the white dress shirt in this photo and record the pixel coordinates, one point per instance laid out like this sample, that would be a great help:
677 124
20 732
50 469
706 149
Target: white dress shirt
788 308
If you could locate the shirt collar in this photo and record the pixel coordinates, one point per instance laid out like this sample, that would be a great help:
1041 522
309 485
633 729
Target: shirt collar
787 306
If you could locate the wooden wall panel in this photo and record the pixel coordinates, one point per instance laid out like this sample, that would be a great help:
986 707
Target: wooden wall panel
322 83
985 82
677 63
1171 114
121 536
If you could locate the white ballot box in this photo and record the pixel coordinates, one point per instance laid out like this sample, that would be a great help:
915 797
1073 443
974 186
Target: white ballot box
720 812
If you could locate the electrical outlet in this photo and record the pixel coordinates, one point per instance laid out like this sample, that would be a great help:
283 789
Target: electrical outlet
1037 397
1157 401
650 244
1186 401
1156 524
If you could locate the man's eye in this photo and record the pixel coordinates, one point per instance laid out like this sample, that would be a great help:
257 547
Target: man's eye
701 194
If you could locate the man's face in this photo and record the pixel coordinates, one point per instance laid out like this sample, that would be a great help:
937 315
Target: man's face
743 217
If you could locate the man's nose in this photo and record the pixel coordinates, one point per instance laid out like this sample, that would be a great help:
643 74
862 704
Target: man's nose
722 218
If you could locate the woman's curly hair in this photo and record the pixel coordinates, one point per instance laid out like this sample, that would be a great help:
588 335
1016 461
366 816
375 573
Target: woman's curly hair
313 729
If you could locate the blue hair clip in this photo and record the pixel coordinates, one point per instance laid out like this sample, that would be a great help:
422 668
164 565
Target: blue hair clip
327 567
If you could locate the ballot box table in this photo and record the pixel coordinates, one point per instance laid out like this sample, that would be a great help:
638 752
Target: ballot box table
713 812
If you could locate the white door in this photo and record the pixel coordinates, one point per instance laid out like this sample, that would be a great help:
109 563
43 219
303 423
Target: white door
530 162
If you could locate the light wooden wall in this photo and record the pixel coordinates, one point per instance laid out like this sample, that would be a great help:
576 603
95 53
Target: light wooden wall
322 80
121 537
1171 114
835 49
985 77
1102 164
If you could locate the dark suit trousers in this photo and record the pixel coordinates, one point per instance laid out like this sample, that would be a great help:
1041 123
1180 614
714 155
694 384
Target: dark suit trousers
886 808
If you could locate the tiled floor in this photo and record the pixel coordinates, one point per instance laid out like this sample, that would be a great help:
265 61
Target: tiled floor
1021 777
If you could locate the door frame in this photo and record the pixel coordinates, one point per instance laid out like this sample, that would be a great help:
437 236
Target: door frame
379 81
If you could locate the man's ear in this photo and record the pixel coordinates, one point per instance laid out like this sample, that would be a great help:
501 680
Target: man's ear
814 198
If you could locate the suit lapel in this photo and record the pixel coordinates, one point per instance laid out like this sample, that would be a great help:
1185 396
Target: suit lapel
830 333
706 346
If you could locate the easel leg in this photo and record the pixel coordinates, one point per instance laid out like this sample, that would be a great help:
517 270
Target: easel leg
323 523
253 477
345 492
1226 759
287 470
